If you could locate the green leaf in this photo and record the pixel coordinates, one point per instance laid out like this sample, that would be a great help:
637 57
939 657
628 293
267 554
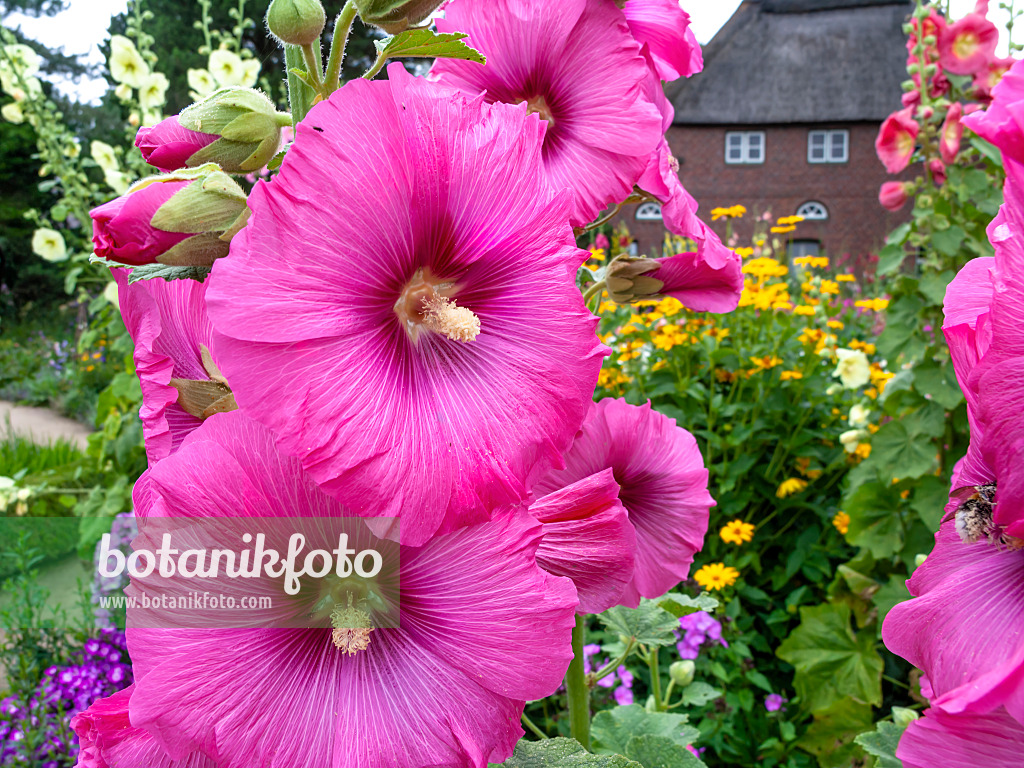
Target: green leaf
698 694
562 753
830 737
882 743
659 752
680 605
902 453
890 258
647 624
613 728
889 596
167 272
939 383
832 663
933 286
874 519
929 500
423 43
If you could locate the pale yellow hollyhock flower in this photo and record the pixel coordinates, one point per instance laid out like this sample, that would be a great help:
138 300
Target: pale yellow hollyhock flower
226 68
123 92
126 63
117 181
859 416
250 72
12 113
72 149
104 155
48 244
153 91
110 294
25 59
201 81
853 369
851 438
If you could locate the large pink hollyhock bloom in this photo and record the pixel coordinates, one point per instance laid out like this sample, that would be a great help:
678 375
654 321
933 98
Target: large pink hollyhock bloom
173 335
482 630
967 45
1003 122
664 488
990 76
122 231
992 740
420 345
896 140
588 537
168 145
107 739
664 27
576 64
951 133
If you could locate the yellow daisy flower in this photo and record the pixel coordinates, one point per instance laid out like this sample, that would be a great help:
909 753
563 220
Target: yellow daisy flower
737 532
842 522
716 576
790 486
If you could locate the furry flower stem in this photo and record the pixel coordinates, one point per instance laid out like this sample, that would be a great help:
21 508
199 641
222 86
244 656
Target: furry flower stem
577 688
339 40
300 95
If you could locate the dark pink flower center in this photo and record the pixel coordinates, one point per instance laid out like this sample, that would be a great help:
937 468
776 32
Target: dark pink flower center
539 105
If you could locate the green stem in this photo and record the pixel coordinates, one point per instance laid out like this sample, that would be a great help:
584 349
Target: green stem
300 97
604 219
532 727
342 27
312 56
652 665
611 666
593 290
378 65
576 685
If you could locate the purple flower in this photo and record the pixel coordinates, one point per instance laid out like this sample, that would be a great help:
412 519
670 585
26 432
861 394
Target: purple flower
700 627
773 702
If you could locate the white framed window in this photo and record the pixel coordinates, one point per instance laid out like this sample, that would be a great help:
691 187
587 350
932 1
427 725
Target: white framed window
812 210
828 146
744 147
798 248
649 212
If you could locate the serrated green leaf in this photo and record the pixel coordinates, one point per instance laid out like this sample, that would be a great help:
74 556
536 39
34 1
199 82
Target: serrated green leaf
424 43
613 728
167 272
939 383
874 520
830 737
660 752
882 743
902 453
698 694
561 753
890 259
647 624
680 605
929 500
832 663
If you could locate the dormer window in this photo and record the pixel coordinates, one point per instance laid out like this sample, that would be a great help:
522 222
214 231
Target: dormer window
744 147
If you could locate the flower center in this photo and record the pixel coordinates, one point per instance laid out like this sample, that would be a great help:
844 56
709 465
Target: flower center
352 628
965 45
425 304
539 105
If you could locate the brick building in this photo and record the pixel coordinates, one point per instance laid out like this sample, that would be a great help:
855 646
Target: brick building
784 117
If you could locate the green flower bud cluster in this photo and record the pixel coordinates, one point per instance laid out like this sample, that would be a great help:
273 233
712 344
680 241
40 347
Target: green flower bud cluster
248 125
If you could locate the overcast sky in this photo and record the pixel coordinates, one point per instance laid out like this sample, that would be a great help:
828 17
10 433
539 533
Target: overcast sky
81 28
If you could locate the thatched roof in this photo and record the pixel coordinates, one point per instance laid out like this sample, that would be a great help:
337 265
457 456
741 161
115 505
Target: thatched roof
799 61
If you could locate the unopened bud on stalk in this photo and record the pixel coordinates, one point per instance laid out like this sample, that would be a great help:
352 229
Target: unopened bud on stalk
394 16
296 22
903 716
682 672
630 279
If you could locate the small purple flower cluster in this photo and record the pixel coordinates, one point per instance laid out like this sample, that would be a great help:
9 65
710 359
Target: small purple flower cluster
623 692
700 628
122 530
36 733
61 355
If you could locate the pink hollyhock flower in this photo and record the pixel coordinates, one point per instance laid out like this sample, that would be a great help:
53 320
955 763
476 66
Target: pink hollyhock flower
992 740
989 77
893 195
587 536
938 171
896 140
168 145
1002 122
483 629
181 385
951 133
664 27
576 65
107 739
664 488
967 45
422 346
122 231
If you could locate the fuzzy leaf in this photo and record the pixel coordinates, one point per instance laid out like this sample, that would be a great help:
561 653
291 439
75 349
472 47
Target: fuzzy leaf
680 605
647 624
423 43
167 272
660 752
882 743
562 753
613 728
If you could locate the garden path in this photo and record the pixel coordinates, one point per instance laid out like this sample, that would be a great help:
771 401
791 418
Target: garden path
41 424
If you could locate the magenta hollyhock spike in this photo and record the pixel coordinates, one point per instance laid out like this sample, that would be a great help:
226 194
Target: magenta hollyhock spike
967 45
588 537
122 231
576 64
664 27
421 345
107 739
483 629
896 140
664 488
168 322
993 740
168 145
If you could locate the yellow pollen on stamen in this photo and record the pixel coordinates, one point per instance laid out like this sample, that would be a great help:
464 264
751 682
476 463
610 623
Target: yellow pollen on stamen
351 641
352 628
443 316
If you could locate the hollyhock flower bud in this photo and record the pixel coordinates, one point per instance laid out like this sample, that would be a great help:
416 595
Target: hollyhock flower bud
296 22
168 145
682 672
894 194
701 285
178 219
246 122
938 170
951 133
394 16
896 140
966 46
